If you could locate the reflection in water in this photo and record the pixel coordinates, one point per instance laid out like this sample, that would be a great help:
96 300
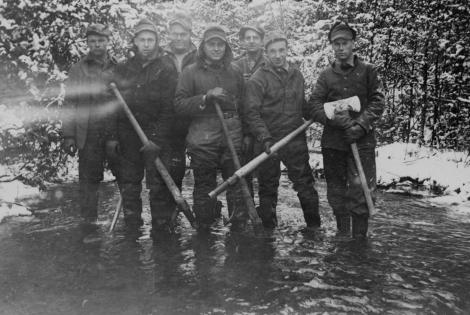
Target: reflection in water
417 261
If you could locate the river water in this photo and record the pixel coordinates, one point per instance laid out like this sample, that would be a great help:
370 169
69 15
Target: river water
416 261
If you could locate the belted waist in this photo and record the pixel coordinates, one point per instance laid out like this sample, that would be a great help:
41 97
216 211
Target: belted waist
228 115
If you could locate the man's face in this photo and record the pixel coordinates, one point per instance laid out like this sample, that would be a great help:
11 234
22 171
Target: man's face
277 53
180 38
343 49
252 41
97 44
146 42
214 49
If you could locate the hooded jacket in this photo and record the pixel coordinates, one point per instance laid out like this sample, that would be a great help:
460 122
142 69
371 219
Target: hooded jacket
148 88
86 98
194 83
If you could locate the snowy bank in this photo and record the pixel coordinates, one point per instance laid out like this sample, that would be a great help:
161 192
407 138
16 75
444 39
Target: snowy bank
411 168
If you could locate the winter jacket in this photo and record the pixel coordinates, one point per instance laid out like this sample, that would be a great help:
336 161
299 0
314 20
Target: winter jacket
181 124
275 102
194 83
86 96
244 66
333 84
148 88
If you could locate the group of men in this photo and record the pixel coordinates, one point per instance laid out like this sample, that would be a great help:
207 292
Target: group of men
173 93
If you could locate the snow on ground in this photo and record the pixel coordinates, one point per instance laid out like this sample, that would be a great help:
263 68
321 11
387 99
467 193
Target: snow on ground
445 170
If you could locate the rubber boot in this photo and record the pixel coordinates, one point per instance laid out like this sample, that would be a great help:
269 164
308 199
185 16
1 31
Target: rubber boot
359 226
343 223
268 216
212 211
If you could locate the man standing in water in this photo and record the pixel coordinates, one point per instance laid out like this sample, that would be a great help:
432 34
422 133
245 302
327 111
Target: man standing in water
89 125
211 80
348 76
276 105
183 53
147 81
251 39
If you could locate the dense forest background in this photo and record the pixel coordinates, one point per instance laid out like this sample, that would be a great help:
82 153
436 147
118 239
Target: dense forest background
421 49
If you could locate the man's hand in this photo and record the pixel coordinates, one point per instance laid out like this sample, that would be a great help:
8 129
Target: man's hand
112 149
267 144
70 146
341 120
218 95
354 133
150 152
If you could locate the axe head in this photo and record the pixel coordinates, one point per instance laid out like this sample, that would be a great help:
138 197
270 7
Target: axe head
351 103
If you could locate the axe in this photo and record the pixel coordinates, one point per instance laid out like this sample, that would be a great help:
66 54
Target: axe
352 104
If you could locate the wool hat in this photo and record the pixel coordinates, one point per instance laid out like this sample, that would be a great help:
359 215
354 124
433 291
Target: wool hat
341 29
182 19
145 25
254 27
214 31
274 36
98 29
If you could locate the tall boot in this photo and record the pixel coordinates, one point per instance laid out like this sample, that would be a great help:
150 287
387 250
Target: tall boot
359 226
267 215
343 224
132 204
89 201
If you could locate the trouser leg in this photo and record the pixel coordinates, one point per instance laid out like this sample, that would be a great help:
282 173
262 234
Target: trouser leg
131 173
295 157
235 200
356 201
268 182
90 169
336 169
204 207
162 204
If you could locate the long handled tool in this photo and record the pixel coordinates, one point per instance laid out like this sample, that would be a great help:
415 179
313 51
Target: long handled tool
116 214
236 161
253 164
181 203
362 177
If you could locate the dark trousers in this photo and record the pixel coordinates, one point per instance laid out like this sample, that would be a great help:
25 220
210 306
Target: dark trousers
132 167
205 180
295 157
344 190
91 163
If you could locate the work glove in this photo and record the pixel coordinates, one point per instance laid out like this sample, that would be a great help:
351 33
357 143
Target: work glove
354 133
247 145
267 144
70 146
112 149
150 151
341 120
220 96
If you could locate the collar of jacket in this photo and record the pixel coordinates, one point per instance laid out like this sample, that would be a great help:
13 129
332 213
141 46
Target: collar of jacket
334 65
268 67
156 55
204 64
169 50
88 62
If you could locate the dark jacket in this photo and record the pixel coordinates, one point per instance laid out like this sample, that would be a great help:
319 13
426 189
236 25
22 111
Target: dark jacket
361 80
181 124
194 83
275 102
86 94
148 88
242 63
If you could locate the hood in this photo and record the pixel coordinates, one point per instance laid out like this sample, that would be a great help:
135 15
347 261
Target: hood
226 60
